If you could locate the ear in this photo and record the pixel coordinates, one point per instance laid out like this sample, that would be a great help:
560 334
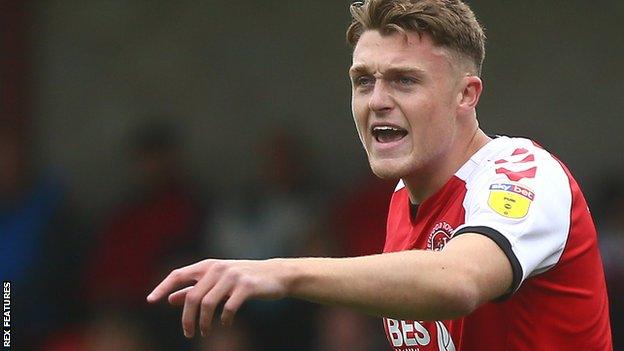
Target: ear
468 97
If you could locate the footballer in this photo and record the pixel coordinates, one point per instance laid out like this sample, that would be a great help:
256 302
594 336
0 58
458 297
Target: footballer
490 244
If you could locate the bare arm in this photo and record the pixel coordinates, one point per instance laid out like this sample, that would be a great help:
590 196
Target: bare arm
421 285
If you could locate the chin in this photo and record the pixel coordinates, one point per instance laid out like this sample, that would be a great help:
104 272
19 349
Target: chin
390 169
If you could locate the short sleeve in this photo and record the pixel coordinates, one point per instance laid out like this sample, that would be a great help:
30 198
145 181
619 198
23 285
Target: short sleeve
522 201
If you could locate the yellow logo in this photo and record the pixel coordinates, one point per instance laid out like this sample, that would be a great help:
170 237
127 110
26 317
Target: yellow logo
510 200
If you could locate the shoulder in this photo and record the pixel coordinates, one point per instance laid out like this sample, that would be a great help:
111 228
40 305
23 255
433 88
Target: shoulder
522 196
515 176
509 160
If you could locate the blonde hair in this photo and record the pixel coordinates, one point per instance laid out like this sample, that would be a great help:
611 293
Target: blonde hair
450 23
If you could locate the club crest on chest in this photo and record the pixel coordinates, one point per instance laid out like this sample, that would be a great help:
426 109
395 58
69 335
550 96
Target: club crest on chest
441 233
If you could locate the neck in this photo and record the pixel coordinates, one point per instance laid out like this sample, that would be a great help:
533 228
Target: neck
427 181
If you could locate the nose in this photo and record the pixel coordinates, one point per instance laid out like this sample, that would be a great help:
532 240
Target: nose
380 99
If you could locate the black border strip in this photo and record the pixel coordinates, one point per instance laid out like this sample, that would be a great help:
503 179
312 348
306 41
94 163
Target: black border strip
505 245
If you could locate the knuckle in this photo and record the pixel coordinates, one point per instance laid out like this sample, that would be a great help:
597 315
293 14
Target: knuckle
207 302
247 283
232 274
218 267
174 273
193 297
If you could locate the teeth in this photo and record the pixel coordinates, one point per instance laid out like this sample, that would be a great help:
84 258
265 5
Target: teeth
386 128
386 134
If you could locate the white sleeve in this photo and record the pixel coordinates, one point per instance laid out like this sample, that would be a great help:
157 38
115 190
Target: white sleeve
523 203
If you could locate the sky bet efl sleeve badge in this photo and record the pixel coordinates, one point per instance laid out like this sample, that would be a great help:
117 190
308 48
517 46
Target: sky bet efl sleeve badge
510 200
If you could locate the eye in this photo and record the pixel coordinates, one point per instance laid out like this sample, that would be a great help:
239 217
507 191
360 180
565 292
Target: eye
406 81
364 81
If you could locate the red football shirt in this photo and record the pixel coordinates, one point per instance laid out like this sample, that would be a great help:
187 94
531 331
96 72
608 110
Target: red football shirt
526 201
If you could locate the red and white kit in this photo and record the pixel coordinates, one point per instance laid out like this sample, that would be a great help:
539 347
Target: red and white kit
524 199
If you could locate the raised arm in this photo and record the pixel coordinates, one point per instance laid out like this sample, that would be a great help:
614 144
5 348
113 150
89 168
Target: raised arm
417 285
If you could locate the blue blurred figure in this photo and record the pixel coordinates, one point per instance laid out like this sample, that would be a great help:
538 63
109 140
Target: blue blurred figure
37 250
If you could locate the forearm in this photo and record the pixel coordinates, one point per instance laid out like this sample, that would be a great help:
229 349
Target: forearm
412 285
420 285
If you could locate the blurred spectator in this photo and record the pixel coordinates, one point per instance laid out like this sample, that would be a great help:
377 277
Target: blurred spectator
611 239
115 330
359 228
154 226
148 233
110 330
341 329
39 251
234 338
275 215
359 219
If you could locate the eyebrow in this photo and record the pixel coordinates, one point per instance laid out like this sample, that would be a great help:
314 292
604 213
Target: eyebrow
363 69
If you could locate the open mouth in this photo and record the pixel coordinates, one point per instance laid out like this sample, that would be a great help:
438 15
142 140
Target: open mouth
388 134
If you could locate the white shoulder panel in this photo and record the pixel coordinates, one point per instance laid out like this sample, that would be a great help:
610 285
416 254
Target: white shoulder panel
521 192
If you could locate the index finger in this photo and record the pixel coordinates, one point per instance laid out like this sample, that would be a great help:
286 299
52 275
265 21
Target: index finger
177 278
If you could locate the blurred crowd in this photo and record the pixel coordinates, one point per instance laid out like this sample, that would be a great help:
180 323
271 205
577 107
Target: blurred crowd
79 282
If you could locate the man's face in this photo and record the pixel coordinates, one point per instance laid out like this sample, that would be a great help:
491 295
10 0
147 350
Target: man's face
405 98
